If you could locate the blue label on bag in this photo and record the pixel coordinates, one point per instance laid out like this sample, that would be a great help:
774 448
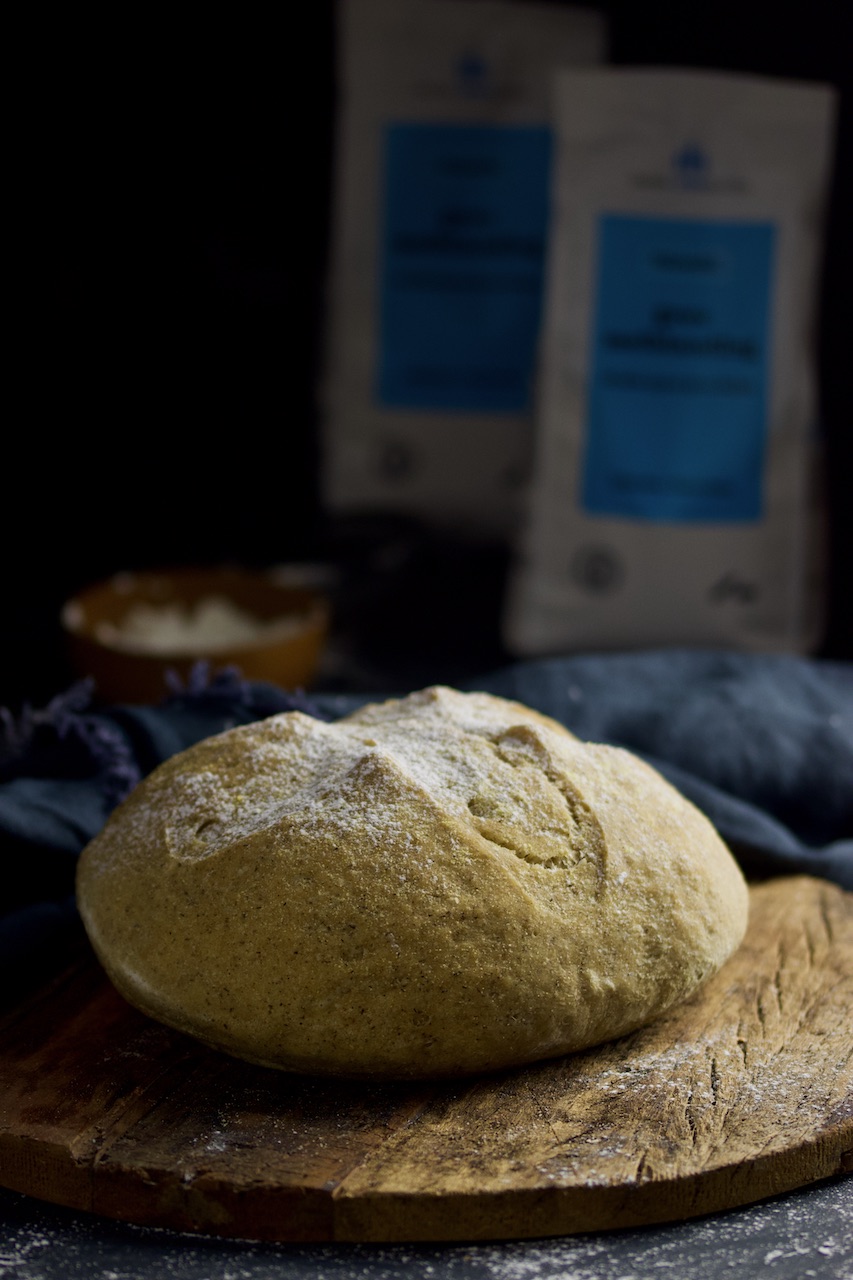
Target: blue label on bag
465 221
677 406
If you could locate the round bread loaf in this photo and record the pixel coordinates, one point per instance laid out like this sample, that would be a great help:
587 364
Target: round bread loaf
441 884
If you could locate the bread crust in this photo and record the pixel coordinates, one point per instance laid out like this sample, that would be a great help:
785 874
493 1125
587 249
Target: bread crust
436 885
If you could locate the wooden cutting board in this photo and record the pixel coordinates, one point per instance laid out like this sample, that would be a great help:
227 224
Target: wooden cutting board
744 1092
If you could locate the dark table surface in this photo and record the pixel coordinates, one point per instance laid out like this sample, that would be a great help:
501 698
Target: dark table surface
798 1236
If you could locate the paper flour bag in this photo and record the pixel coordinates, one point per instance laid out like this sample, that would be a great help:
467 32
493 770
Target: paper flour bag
440 217
672 494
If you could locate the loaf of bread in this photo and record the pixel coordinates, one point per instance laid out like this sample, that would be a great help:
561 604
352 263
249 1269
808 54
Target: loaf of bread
441 884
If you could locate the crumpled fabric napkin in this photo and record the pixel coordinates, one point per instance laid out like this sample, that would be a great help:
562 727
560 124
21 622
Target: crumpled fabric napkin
763 744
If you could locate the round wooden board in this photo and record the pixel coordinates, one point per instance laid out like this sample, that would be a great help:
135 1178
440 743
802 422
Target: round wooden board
744 1092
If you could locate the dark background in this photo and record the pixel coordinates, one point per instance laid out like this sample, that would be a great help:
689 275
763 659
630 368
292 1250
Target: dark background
170 194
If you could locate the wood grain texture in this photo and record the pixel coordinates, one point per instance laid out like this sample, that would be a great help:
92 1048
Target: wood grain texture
743 1092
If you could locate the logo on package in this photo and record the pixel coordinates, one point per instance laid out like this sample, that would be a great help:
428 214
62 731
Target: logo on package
691 166
470 75
396 461
597 569
473 75
689 169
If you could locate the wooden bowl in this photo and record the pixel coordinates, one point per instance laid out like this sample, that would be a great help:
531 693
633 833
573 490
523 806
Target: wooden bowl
129 631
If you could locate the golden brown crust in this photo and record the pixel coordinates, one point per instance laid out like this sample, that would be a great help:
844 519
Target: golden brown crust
441 884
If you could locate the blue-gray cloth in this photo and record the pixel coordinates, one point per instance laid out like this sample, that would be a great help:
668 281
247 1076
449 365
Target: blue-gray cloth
762 744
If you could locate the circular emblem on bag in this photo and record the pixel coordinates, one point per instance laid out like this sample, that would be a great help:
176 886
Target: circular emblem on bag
597 569
396 461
